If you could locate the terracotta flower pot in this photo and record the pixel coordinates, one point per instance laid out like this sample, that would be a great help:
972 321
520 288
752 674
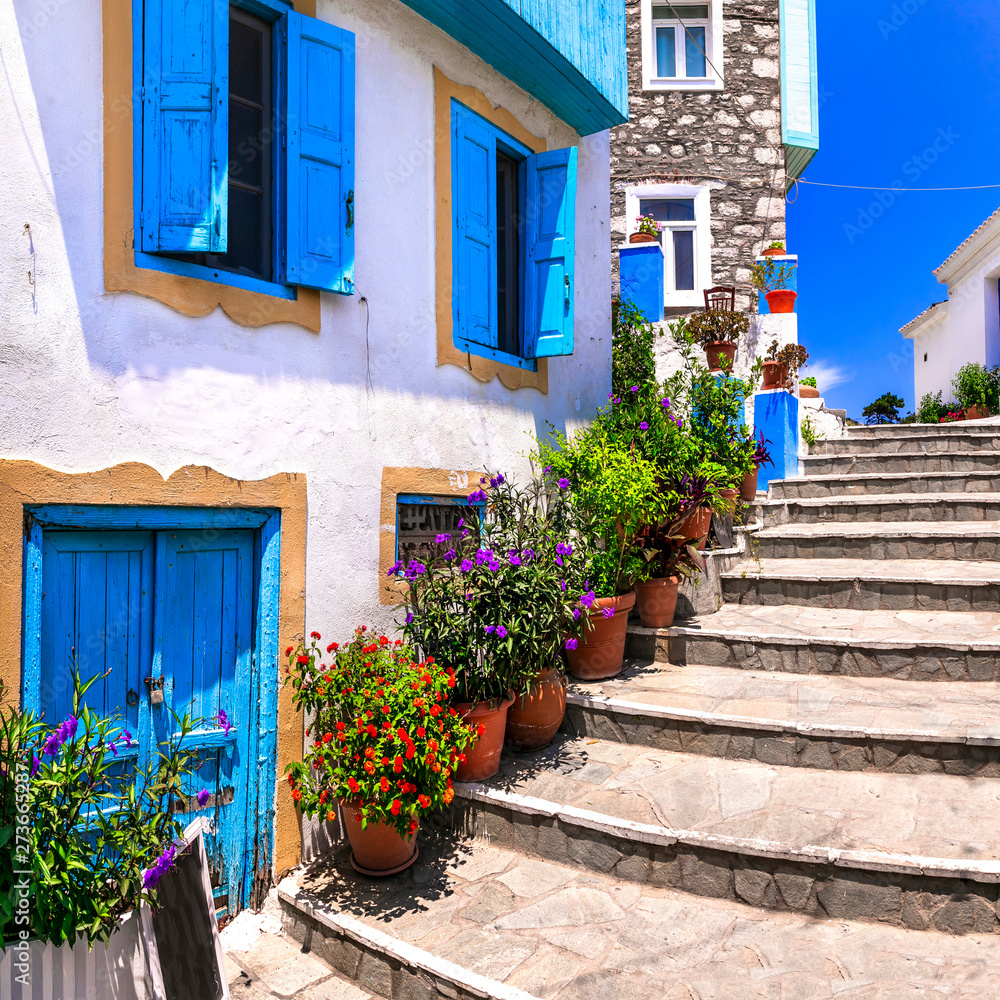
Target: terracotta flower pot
748 488
641 238
781 300
774 252
808 392
535 717
378 849
602 652
977 412
656 600
482 759
694 527
775 374
730 496
715 350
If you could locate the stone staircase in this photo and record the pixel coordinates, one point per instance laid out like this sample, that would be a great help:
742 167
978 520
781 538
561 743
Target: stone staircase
793 795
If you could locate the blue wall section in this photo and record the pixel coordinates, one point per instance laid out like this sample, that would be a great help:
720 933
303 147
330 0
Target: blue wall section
640 269
776 416
570 54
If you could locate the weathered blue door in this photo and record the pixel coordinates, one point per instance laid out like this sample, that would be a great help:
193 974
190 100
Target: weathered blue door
171 613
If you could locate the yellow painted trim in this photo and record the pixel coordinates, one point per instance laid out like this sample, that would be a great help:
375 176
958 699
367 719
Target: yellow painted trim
25 483
484 369
190 296
430 482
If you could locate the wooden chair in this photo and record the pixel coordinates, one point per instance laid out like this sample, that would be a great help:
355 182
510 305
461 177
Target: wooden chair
722 298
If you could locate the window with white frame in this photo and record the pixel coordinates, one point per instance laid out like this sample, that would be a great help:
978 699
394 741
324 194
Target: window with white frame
681 45
683 214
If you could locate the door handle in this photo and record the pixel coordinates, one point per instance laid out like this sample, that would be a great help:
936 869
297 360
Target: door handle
566 290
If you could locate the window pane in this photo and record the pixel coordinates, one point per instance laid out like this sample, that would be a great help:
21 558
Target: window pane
668 209
666 55
420 523
684 260
680 11
508 255
695 51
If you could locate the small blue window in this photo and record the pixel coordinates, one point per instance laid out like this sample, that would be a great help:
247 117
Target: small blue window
231 148
513 244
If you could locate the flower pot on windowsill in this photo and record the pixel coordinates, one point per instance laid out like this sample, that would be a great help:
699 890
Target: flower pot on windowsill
781 300
774 252
535 717
482 759
808 392
715 350
377 849
656 600
694 526
775 375
641 238
748 488
977 412
601 653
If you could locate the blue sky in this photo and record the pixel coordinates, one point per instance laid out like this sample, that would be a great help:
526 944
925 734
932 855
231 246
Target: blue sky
894 78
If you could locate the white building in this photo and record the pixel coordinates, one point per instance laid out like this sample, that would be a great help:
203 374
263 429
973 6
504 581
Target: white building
224 393
966 326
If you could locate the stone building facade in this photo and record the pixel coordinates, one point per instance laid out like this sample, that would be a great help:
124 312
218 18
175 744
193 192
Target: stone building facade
718 141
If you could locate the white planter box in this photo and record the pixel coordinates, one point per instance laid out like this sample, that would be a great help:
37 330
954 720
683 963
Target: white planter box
112 971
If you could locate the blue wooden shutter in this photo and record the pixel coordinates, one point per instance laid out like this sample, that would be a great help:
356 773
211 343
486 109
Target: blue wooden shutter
550 236
185 126
474 229
319 229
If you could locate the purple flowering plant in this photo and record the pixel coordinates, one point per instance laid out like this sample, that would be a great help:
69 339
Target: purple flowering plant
499 611
101 818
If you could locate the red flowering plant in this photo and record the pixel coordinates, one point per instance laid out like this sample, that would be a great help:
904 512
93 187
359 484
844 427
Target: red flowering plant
382 736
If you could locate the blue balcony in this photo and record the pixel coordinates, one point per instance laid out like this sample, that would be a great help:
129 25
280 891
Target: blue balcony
569 54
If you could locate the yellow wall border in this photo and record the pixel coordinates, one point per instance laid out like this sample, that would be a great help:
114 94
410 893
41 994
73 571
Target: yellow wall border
23 483
484 369
190 296
439 482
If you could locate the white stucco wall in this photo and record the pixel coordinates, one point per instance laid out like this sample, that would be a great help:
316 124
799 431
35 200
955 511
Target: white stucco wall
89 380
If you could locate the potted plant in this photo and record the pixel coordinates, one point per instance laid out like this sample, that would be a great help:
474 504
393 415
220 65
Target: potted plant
772 279
808 388
775 249
976 389
383 743
97 825
782 364
718 332
760 457
646 231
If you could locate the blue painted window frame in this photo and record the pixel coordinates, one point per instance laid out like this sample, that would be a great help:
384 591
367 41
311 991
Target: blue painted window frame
438 500
267 579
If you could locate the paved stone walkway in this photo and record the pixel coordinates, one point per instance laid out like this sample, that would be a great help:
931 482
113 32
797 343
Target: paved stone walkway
926 815
556 931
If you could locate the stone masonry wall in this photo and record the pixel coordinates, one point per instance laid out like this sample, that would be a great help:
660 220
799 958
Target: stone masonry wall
729 140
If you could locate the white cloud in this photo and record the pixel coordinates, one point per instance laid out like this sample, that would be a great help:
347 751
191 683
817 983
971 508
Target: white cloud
826 375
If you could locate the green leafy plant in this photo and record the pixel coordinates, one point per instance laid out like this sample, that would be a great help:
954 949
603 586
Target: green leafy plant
976 385
776 245
717 325
496 605
633 337
383 739
98 828
769 276
647 224
809 381
885 410
793 356
808 431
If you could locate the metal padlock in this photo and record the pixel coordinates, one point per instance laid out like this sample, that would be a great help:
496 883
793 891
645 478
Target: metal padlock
156 696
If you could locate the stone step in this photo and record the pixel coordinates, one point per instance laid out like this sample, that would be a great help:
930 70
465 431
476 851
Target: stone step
944 439
867 585
896 848
885 484
892 507
957 540
903 645
903 461
474 919
835 722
